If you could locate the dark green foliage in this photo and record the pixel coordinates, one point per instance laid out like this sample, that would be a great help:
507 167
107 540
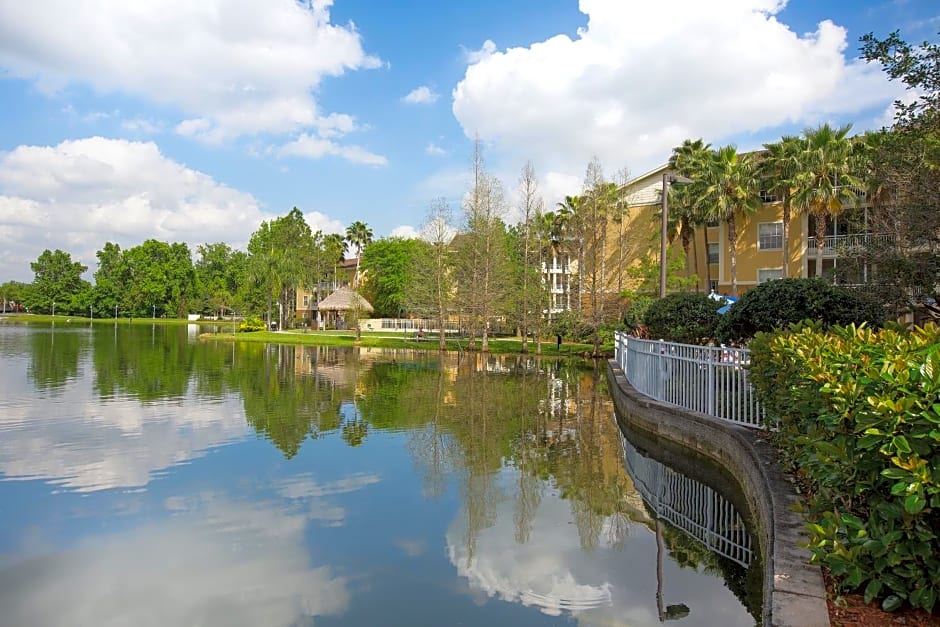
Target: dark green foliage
636 312
857 413
778 304
390 265
59 281
684 317
571 326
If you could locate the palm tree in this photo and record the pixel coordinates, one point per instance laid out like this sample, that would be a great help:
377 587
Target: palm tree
688 160
780 168
358 234
335 246
728 188
570 236
826 182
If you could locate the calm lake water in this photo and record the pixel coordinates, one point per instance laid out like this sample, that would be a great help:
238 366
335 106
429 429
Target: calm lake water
149 478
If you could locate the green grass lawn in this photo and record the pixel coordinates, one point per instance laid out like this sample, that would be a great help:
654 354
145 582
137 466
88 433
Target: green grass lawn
374 339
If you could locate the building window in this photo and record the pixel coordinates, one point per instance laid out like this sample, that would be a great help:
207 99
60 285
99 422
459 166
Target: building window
712 252
770 236
769 274
712 222
713 286
767 196
306 301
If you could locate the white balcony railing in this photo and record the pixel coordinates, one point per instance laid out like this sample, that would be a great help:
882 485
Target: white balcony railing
835 245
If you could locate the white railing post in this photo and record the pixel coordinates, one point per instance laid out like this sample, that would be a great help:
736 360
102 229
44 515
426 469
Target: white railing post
710 383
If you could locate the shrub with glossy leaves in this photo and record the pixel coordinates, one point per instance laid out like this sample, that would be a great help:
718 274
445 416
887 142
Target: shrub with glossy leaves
780 303
251 324
683 317
857 413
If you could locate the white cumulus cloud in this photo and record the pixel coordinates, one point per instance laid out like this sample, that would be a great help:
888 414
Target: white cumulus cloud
633 84
227 68
421 95
82 193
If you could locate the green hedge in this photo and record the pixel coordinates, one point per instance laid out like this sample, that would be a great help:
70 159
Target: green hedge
857 416
777 304
684 317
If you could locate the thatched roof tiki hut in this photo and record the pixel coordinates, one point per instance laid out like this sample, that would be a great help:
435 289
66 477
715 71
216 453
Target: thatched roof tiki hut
334 308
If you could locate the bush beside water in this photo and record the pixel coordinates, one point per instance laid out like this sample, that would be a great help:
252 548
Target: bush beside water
777 304
857 417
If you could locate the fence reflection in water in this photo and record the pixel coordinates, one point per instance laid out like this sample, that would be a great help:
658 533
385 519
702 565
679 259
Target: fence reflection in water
691 506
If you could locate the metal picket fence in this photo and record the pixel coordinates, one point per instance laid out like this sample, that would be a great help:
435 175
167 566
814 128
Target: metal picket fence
708 379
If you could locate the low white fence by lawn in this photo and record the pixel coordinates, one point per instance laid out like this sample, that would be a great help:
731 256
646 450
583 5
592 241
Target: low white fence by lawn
708 379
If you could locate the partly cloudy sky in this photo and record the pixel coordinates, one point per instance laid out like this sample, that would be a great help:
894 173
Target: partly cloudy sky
195 121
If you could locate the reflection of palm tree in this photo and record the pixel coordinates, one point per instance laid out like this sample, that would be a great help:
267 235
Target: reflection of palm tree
670 612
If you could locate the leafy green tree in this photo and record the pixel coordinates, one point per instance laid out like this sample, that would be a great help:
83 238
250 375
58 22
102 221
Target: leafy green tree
280 254
58 280
110 279
13 292
158 279
903 175
218 271
390 265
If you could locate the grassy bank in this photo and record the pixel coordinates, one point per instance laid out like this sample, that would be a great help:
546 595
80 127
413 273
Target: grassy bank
376 339
372 339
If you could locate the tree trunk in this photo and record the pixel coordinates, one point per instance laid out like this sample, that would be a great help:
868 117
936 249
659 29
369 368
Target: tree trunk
786 235
820 243
732 245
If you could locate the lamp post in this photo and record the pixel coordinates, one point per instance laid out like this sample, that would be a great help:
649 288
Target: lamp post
53 308
668 179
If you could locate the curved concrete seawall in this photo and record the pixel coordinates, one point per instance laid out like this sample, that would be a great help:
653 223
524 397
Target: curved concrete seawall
794 593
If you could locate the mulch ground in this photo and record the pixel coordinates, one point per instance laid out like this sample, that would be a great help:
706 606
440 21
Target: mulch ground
852 611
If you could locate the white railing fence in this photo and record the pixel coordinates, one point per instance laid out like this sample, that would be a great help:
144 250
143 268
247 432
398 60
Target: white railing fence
712 380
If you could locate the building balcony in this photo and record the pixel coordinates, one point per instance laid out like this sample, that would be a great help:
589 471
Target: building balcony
842 245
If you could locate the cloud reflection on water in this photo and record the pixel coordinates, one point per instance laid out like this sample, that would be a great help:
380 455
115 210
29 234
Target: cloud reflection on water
221 563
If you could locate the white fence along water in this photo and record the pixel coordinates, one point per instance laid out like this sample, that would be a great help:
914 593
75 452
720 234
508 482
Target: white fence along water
712 380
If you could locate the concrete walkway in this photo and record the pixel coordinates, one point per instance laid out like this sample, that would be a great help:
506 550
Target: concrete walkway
794 592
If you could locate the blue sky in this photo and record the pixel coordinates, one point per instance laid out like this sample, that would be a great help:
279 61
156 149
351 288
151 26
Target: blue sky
195 121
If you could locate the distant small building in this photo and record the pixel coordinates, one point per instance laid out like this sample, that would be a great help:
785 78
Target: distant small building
333 309
305 305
